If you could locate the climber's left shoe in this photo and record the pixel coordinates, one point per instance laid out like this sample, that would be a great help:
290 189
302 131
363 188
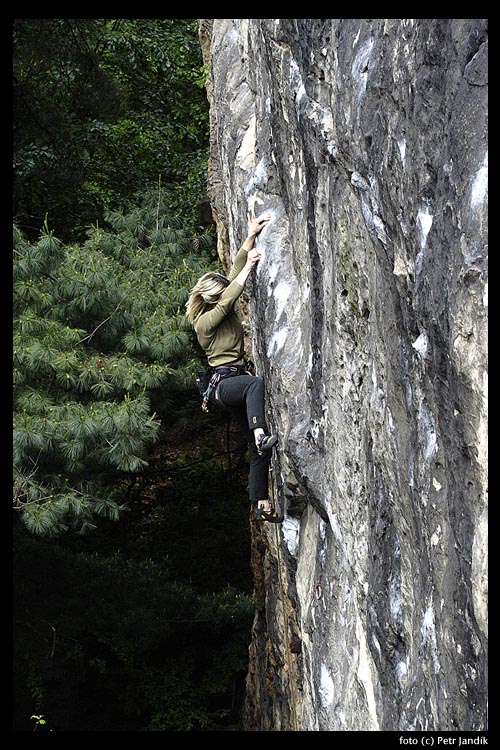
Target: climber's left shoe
271 516
265 443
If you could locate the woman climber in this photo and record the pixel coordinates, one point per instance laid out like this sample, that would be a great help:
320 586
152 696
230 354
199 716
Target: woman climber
210 310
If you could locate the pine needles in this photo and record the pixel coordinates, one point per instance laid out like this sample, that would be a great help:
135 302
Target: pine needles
99 328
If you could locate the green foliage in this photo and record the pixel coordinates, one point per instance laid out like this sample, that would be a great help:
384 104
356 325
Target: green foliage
99 335
101 108
155 637
39 721
103 360
123 635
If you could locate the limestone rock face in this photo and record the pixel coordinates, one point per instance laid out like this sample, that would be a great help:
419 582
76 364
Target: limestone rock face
366 140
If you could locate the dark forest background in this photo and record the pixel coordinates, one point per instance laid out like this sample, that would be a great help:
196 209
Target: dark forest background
132 584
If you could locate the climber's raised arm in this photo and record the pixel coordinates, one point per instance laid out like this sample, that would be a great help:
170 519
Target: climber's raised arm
255 226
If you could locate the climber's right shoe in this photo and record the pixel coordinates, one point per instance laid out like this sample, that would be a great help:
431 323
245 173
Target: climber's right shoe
265 443
271 516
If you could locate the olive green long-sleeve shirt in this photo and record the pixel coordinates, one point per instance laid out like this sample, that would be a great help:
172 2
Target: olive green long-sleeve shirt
219 330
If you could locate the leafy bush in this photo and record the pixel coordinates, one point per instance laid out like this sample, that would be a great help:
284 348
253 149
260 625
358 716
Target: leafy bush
103 107
102 350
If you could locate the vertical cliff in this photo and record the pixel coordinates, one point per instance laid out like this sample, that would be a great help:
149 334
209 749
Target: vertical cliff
366 140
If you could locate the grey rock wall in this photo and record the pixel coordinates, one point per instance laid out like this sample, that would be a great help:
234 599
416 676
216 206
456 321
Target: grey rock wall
366 140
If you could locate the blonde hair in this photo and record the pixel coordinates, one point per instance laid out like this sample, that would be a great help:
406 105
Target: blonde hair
205 293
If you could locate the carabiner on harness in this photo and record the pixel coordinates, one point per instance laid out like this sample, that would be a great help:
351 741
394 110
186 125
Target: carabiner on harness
214 381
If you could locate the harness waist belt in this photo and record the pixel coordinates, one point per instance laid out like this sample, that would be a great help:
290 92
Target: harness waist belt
230 369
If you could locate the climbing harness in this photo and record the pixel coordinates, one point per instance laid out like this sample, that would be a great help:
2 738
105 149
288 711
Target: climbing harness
208 380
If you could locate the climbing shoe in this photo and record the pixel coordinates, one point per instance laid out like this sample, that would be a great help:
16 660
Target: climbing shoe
271 516
265 443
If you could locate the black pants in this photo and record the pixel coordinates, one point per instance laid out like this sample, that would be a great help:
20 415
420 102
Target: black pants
243 395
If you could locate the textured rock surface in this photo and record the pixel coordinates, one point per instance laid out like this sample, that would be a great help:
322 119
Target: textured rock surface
366 139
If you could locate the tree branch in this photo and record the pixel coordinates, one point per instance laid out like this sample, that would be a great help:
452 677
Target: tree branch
89 336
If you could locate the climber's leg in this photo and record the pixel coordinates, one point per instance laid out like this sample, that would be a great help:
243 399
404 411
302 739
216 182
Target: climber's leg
244 396
258 479
248 390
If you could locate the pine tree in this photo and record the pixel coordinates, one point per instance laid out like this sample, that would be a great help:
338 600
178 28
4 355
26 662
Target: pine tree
99 332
